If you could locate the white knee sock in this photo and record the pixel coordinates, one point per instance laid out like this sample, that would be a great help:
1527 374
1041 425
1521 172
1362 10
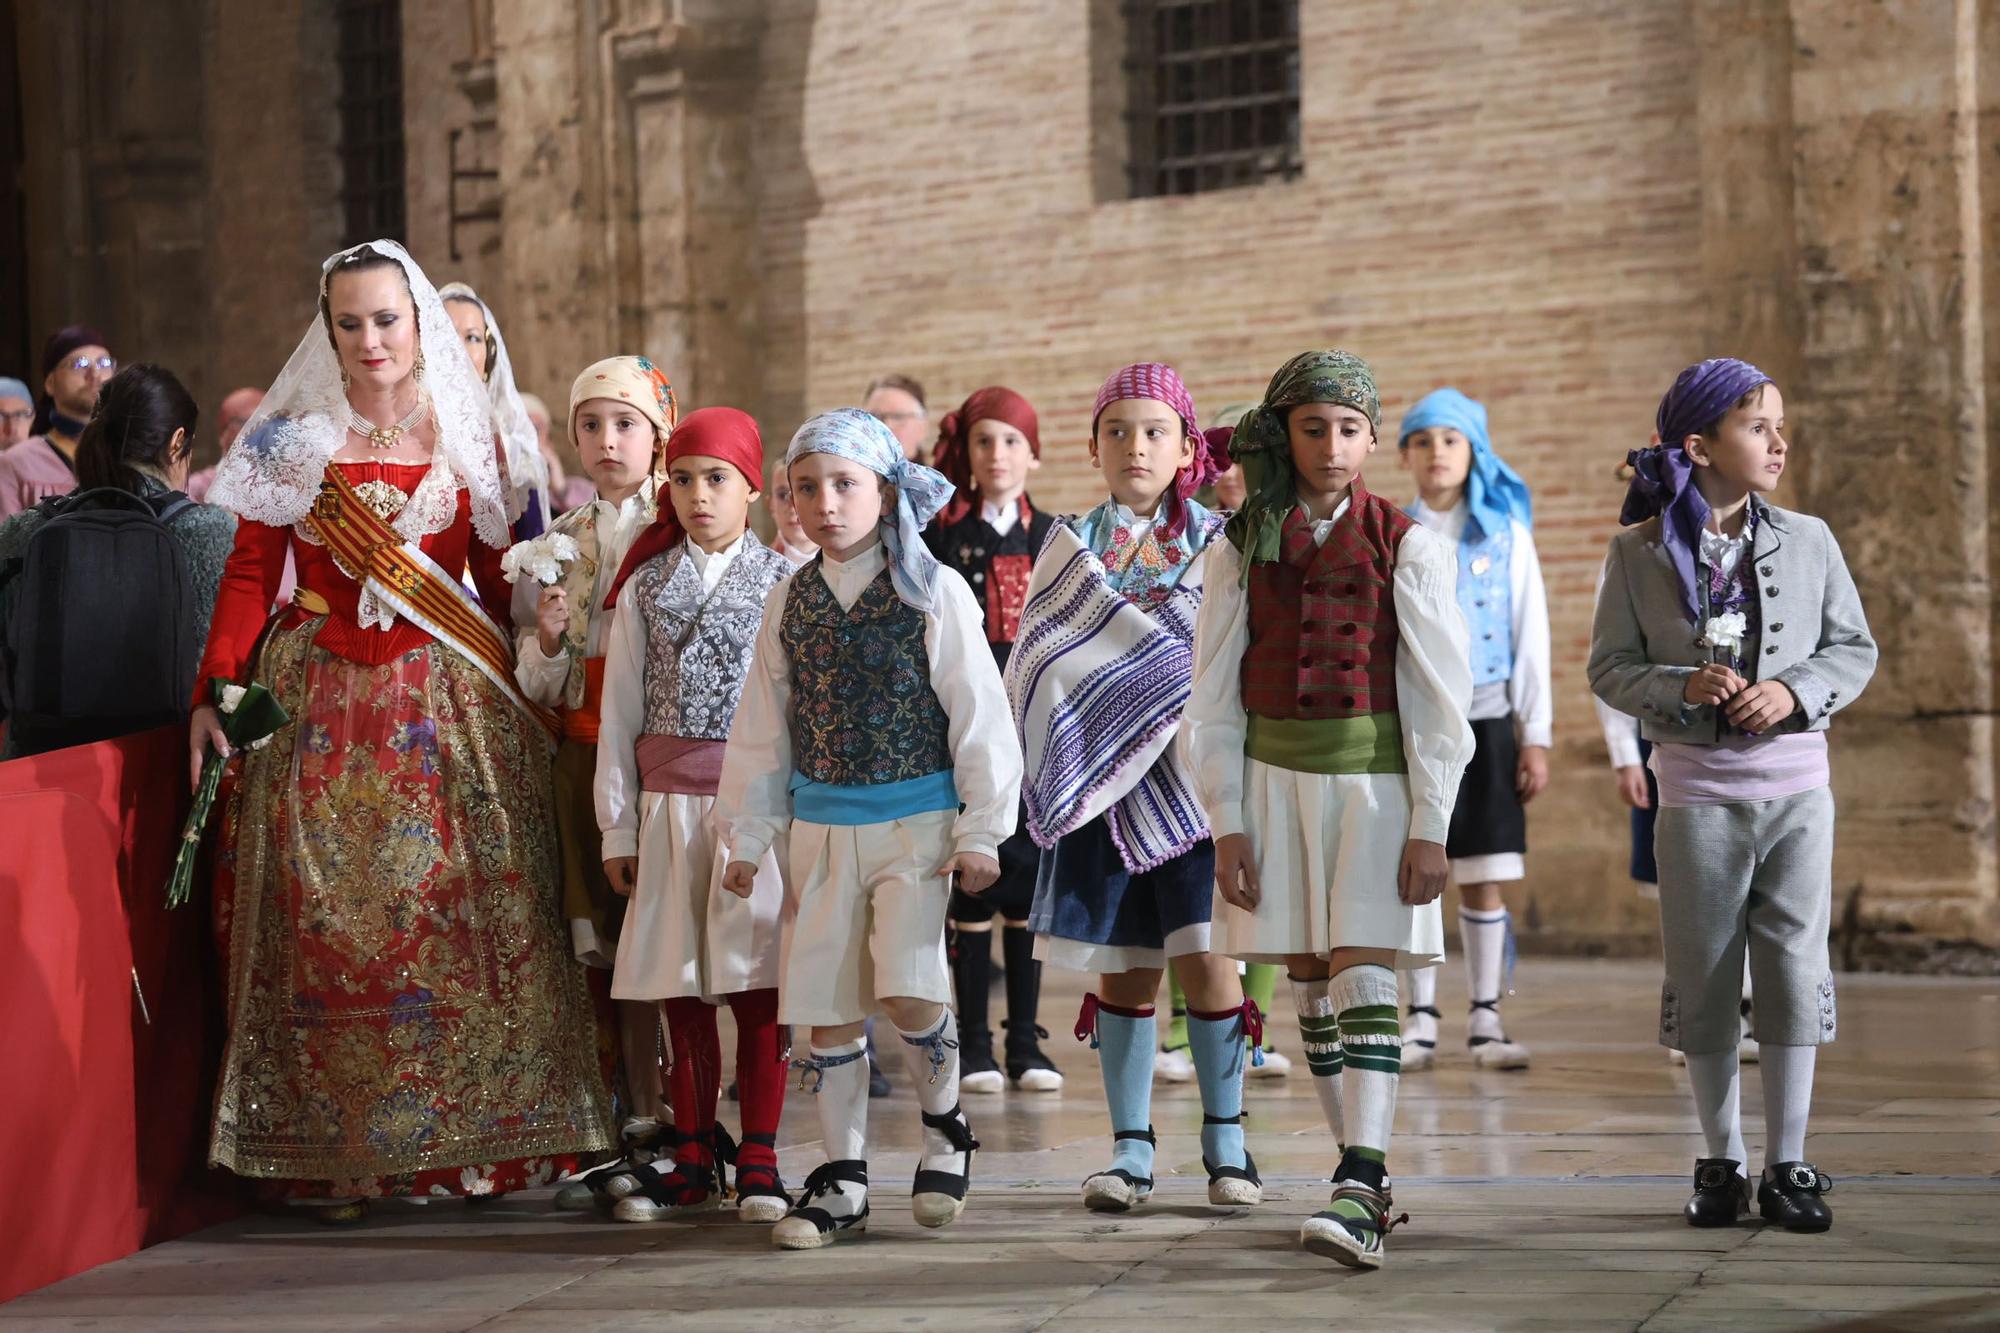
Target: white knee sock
1420 991
1483 935
1788 1084
1364 998
932 1056
1319 1034
842 1101
1717 1080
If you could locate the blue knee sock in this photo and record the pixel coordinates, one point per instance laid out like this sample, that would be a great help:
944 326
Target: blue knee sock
1216 1042
1125 1039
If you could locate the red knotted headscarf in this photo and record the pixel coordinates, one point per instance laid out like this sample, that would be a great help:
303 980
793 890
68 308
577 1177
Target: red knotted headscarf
953 453
711 432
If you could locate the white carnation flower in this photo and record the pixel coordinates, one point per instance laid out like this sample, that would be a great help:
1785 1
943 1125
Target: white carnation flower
1725 631
232 696
541 559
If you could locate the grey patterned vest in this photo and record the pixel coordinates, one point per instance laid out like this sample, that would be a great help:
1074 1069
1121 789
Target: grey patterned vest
863 710
698 655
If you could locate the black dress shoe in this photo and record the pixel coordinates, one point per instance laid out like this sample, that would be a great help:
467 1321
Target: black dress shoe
1790 1197
1721 1194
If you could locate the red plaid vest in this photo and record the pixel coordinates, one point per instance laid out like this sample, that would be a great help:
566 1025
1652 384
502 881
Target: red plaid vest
1323 619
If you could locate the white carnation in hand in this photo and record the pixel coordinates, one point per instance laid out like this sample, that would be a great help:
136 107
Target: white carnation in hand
1725 631
541 559
232 695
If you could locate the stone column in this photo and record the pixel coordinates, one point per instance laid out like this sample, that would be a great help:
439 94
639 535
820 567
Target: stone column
625 135
556 294
273 206
1891 227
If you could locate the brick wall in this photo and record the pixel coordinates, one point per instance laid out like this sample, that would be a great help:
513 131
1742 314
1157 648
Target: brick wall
1511 206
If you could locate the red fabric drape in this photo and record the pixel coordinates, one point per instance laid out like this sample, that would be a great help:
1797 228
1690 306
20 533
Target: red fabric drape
104 1123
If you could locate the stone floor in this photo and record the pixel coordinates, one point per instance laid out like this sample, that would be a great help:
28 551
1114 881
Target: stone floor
1547 1199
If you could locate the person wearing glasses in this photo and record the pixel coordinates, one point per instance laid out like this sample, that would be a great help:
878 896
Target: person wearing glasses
75 366
17 412
897 401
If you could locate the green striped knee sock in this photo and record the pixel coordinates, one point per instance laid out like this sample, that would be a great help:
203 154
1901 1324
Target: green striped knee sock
1371 1042
1319 1033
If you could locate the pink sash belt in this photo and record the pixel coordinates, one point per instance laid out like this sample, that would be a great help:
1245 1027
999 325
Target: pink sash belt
681 764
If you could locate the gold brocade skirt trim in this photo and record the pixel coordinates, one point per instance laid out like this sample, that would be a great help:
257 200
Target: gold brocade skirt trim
402 996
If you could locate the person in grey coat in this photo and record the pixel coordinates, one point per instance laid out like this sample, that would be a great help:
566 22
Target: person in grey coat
1732 630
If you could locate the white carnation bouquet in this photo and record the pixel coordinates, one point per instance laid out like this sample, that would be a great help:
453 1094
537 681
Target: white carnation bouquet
541 558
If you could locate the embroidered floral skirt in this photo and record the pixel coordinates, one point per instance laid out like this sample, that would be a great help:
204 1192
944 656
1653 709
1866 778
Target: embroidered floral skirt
405 1014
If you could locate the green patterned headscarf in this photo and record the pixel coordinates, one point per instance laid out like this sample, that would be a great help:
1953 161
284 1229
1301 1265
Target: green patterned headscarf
1262 445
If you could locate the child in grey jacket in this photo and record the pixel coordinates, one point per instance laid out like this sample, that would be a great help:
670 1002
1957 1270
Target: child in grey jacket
1731 629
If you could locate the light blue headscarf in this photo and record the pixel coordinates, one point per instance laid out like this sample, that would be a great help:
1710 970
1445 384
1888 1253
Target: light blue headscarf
15 389
1494 492
853 434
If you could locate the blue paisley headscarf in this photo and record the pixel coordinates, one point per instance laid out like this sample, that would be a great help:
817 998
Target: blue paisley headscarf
1495 495
853 434
1663 475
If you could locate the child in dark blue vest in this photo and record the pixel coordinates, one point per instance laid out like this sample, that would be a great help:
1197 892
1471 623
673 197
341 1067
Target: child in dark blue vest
991 533
1467 494
874 728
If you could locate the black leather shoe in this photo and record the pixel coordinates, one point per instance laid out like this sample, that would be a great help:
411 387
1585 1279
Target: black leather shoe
1721 1194
1791 1197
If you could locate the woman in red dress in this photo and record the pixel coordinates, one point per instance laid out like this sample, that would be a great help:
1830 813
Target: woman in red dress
405 1017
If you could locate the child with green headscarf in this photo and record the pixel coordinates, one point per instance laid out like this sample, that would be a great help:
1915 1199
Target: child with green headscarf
1327 735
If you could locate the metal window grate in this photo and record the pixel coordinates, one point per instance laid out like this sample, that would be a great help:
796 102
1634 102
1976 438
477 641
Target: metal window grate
1215 93
371 117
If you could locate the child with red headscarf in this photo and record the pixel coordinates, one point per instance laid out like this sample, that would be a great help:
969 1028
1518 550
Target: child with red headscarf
991 533
690 596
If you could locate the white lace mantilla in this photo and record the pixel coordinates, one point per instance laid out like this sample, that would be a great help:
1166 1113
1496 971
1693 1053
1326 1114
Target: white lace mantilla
273 474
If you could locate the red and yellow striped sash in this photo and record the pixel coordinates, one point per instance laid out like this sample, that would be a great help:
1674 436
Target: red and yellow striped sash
379 557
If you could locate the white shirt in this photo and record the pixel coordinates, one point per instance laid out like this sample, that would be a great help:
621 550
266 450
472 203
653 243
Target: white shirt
1001 517
754 803
1526 693
540 677
623 717
1125 518
1621 730
1433 682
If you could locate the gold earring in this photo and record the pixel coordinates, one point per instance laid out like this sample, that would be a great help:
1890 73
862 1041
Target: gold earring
346 380
417 367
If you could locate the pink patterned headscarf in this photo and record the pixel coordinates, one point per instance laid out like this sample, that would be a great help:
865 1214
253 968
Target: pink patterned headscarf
1160 382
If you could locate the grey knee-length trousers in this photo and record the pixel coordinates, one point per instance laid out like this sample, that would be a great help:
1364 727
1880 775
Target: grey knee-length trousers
1755 875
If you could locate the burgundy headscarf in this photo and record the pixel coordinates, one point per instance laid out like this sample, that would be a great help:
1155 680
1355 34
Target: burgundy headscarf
1160 382
1663 475
713 432
952 455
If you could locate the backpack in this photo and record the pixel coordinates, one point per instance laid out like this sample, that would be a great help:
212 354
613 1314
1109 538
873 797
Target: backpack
101 639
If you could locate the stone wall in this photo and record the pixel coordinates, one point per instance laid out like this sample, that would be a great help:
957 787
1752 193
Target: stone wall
1554 209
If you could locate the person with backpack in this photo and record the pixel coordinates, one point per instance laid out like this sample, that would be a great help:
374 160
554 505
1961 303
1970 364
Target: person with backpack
105 593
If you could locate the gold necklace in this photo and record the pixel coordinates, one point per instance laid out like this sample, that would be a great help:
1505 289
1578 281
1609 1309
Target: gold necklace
383 438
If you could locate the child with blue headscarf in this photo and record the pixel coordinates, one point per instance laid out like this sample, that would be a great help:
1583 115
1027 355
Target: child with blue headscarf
1469 495
873 733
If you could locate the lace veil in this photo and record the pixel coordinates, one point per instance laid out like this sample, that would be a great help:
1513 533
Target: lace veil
273 473
527 470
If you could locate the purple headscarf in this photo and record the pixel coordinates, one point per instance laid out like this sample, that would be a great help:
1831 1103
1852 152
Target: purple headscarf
1663 475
